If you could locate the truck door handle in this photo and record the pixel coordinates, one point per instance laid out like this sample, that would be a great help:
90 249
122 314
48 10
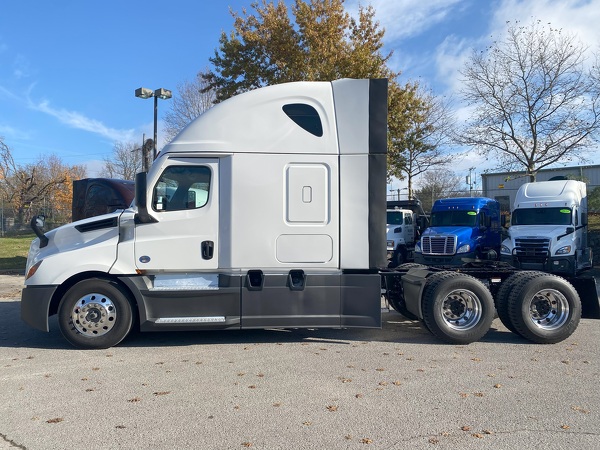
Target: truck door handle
208 248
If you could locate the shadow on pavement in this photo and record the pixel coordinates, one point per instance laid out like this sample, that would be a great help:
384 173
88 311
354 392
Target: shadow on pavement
14 333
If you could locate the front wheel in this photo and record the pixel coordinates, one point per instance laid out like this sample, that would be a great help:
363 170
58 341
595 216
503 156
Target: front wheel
545 309
95 313
457 308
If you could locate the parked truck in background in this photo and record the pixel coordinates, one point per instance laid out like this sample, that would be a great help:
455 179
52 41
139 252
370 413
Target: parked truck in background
97 196
548 228
268 211
406 220
461 229
400 235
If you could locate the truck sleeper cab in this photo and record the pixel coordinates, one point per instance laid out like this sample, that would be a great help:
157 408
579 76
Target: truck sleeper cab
548 228
266 211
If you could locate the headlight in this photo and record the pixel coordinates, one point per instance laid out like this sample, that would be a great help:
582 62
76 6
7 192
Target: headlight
390 244
464 249
563 250
505 250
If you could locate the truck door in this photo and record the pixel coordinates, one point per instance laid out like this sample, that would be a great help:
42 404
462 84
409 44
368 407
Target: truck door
185 202
489 235
409 227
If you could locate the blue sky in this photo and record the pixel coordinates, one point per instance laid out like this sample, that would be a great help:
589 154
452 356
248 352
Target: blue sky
69 69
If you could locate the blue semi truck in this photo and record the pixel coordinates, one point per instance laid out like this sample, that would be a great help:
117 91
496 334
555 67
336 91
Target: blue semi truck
461 229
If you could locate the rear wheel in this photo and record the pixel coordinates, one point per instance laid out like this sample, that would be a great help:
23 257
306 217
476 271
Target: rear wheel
408 266
457 308
505 293
95 313
399 305
397 301
545 309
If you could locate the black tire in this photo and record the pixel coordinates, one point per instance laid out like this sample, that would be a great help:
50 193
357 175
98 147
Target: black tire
398 303
400 306
505 293
457 308
545 309
95 314
400 257
408 266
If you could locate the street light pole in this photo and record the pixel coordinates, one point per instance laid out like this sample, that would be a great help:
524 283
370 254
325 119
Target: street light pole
161 93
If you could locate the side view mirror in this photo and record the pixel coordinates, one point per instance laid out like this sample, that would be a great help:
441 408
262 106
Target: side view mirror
36 224
141 201
40 221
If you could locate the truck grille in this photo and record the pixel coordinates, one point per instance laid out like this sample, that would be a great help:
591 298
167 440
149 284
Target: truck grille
532 249
438 245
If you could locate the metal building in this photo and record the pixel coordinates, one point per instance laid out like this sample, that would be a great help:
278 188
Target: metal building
503 186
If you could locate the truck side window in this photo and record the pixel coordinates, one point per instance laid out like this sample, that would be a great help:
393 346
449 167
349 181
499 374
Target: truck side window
181 187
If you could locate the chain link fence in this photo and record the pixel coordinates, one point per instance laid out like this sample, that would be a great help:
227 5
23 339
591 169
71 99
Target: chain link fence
16 223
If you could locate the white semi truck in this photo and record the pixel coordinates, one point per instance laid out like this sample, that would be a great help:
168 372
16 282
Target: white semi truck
400 236
268 211
548 228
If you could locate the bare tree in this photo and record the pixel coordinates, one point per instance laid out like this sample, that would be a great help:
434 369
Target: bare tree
42 185
125 162
193 98
438 183
534 102
420 147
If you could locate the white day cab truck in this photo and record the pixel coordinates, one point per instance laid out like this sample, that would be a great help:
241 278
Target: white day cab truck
268 211
405 222
400 236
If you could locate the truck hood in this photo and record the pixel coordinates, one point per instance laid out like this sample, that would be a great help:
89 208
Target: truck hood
389 229
537 231
71 239
461 232
390 235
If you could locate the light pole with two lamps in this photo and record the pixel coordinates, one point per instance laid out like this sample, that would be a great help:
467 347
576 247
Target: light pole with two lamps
161 93
392 191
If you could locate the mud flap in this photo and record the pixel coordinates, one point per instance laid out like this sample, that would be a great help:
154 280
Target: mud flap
413 283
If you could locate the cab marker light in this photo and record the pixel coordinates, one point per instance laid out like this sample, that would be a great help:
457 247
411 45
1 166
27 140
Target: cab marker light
33 269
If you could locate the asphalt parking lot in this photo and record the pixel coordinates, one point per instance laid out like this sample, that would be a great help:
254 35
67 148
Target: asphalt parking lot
393 388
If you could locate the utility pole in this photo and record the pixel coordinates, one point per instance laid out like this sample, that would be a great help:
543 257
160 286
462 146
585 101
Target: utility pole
147 150
470 181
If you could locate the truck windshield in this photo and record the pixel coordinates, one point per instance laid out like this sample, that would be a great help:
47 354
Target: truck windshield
453 218
394 218
541 216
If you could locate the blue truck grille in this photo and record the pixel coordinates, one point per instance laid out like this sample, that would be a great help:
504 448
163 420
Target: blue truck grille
532 249
438 245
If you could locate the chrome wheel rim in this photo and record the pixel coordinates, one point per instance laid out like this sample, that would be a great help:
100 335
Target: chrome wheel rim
94 315
548 309
462 309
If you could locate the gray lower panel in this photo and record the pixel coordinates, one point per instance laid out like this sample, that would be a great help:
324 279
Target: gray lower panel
276 305
188 309
361 300
323 301
35 306
327 301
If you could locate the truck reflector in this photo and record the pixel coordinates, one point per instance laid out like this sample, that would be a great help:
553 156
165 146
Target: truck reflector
169 320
